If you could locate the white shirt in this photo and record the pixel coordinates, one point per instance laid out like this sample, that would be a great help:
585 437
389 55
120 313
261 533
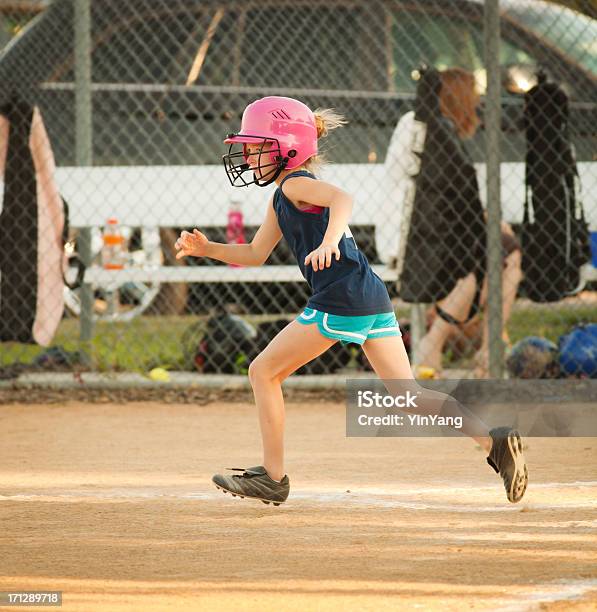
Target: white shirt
402 165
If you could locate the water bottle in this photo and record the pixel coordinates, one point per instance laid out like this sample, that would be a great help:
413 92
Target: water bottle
114 248
235 230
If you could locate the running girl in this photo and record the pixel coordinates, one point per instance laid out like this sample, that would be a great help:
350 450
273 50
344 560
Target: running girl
349 302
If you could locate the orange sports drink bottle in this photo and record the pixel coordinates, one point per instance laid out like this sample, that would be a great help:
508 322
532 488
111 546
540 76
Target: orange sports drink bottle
113 251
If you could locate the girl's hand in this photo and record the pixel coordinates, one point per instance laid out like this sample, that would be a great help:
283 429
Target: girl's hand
194 244
321 257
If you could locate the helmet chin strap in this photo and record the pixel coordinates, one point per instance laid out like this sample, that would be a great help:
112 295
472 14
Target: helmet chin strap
277 173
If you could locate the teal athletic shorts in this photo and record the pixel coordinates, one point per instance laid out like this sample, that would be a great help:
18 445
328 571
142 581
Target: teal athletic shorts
351 329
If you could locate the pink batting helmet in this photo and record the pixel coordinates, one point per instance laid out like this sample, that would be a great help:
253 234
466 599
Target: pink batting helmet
287 125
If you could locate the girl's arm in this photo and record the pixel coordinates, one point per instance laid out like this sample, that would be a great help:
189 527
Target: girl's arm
253 254
302 189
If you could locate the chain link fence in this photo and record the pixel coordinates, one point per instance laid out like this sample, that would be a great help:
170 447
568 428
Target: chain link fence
129 123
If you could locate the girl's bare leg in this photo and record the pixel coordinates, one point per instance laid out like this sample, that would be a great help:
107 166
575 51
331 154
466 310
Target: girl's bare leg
389 359
293 347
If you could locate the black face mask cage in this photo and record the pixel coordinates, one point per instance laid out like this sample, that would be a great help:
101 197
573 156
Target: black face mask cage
236 165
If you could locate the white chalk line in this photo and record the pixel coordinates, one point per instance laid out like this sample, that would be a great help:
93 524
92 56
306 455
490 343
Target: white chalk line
564 590
368 497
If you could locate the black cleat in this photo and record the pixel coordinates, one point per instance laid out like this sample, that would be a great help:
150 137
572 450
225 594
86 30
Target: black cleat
254 483
507 460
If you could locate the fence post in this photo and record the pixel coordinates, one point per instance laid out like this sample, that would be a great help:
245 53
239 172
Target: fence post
418 329
83 144
494 213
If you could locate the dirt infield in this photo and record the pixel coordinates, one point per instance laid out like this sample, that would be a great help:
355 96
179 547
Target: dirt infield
113 505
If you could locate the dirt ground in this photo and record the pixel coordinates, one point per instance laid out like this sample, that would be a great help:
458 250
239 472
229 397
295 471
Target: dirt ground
113 505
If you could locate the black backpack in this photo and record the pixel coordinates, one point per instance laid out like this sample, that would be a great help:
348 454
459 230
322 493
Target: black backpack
227 346
555 235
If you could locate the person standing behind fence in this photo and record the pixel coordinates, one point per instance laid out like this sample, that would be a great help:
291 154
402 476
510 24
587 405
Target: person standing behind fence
278 142
445 254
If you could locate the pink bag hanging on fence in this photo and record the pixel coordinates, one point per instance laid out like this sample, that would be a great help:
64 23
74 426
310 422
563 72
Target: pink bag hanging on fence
31 230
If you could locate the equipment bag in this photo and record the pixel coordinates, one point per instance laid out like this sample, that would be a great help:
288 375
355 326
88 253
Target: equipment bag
555 235
447 232
578 351
31 229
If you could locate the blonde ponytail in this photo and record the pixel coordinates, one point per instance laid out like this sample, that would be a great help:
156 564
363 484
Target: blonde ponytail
326 120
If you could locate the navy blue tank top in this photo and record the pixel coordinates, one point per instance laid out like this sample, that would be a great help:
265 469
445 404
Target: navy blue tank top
349 287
